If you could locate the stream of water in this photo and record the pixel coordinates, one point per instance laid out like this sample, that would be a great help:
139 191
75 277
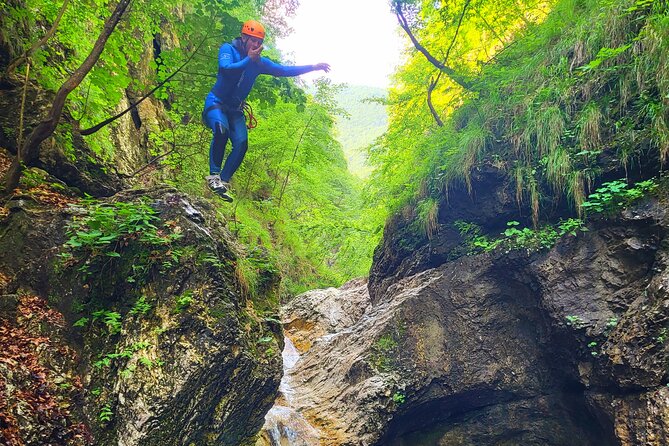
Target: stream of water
284 426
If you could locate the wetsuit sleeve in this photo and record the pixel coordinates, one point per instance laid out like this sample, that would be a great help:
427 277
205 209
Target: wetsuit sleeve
225 59
275 69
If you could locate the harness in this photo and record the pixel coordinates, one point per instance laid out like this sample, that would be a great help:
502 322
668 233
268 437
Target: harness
245 107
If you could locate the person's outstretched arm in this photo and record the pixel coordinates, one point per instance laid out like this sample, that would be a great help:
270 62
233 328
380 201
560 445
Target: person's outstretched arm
225 59
276 69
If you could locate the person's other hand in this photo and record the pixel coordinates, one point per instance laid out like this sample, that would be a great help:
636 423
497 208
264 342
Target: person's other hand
323 66
254 53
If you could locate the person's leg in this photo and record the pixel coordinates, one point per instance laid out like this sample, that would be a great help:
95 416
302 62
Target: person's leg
217 121
239 138
217 148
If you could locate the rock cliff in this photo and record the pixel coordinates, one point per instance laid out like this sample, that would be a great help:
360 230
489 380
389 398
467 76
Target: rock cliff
564 347
124 322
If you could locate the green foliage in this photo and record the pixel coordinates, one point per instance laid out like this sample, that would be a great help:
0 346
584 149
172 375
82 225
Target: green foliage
105 225
183 301
555 89
127 353
382 353
398 398
141 307
515 237
530 238
111 319
575 321
604 54
81 322
32 178
265 339
473 239
614 195
611 323
98 239
105 415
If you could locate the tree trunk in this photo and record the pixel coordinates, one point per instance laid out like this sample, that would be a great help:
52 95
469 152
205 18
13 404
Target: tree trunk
29 152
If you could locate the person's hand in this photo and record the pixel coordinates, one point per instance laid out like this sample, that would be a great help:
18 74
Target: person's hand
254 53
322 66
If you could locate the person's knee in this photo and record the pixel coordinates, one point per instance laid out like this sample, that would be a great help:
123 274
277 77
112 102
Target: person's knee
241 145
219 129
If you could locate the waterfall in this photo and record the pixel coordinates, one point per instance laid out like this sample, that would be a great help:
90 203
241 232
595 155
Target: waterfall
284 426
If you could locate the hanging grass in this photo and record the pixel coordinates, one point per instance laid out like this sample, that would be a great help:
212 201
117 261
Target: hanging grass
549 129
427 212
558 166
590 135
473 142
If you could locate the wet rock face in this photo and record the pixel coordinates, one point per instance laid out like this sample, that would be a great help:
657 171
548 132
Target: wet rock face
565 347
177 368
319 312
405 250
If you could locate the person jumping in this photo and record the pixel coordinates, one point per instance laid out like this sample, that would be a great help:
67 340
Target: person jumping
239 64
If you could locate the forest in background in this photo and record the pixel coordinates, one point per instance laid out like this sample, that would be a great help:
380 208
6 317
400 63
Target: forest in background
366 120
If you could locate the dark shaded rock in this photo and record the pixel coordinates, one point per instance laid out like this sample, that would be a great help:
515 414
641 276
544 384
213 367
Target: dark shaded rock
178 372
488 202
406 250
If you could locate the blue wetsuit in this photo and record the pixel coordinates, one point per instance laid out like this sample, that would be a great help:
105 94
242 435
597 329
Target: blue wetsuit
223 105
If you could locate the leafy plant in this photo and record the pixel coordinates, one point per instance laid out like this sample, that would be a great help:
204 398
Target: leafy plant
475 241
107 228
604 54
614 195
611 323
213 260
105 414
111 319
382 351
127 353
398 398
146 362
184 301
141 307
572 226
81 322
575 321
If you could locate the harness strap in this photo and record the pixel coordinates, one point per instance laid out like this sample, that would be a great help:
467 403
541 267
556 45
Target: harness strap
251 121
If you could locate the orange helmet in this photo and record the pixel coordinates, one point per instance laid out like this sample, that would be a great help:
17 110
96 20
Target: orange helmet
253 28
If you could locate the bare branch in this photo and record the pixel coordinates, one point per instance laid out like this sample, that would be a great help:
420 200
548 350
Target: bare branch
23 57
450 72
435 115
433 81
